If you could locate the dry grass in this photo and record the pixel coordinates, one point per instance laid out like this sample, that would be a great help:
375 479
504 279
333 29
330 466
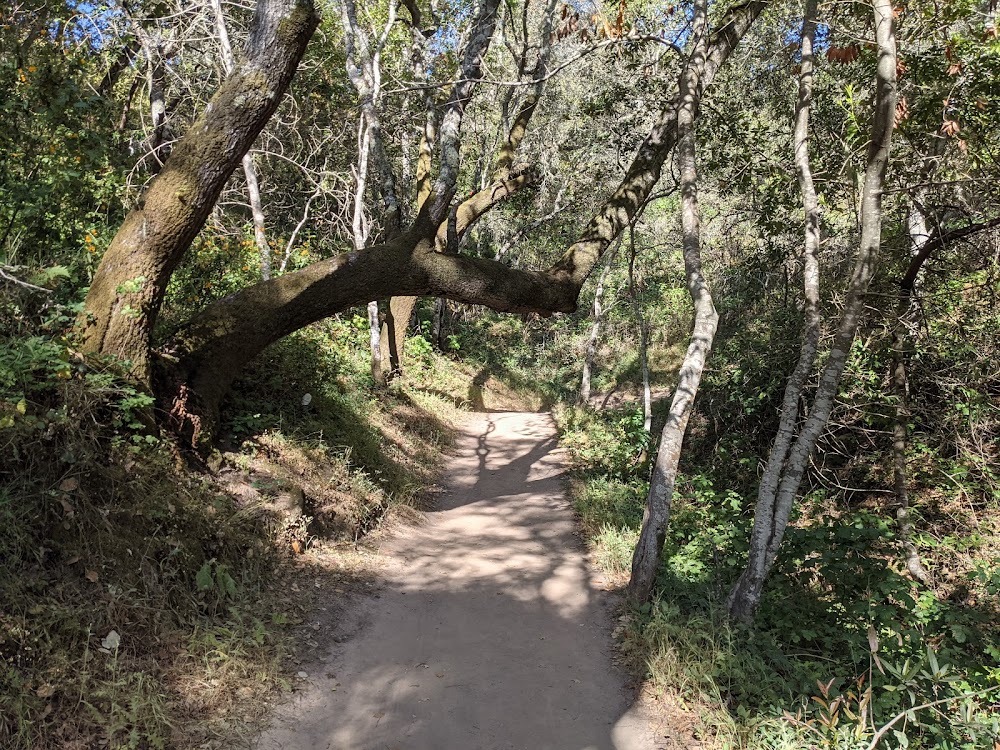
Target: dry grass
210 586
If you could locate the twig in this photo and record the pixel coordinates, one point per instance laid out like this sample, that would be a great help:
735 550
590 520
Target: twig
18 282
886 727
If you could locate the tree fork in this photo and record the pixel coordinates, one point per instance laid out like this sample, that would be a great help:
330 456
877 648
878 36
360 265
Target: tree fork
745 596
213 348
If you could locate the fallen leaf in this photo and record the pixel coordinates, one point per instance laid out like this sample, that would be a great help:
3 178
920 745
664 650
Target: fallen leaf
92 576
73 560
67 508
111 641
46 691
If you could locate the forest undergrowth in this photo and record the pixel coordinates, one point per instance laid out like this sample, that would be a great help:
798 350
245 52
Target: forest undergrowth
847 650
148 602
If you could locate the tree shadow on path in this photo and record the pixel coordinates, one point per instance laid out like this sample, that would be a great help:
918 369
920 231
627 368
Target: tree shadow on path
489 633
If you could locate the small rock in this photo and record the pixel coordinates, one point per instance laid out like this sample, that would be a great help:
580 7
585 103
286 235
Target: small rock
302 675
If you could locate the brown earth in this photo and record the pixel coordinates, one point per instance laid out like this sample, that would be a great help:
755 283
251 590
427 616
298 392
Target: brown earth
491 631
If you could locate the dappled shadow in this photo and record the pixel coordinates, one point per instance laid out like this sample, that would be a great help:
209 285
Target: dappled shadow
489 633
476 390
392 451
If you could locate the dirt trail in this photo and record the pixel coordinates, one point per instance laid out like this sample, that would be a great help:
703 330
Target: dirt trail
489 632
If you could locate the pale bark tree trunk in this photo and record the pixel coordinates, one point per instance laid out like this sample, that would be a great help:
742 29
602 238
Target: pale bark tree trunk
769 526
595 329
364 70
646 559
127 291
156 49
249 168
401 308
907 313
437 324
788 420
360 230
640 321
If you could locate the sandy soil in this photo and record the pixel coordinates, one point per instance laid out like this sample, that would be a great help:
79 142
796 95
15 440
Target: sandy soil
490 631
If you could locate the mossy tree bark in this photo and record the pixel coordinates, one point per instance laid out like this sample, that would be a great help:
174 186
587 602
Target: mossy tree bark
127 291
203 359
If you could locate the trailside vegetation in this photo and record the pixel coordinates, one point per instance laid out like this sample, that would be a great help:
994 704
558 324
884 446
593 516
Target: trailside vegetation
254 257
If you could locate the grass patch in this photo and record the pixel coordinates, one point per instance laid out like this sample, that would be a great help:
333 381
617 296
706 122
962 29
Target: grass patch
806 674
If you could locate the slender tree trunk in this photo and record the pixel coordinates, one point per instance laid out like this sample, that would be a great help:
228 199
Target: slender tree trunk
375 342
360 229
591 354
907 311
788 421
365 71
745 597
640 320
646 559
249 168
437 324
157 108
257 212
127 291
906 315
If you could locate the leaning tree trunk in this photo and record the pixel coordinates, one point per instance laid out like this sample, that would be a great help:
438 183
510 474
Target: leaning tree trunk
212 349
127 291
646 559
365 71
788 421
401 308
745 596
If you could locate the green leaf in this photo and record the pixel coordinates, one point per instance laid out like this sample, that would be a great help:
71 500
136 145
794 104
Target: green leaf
203 579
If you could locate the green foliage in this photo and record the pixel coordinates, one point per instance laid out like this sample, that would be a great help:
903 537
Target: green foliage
608 443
